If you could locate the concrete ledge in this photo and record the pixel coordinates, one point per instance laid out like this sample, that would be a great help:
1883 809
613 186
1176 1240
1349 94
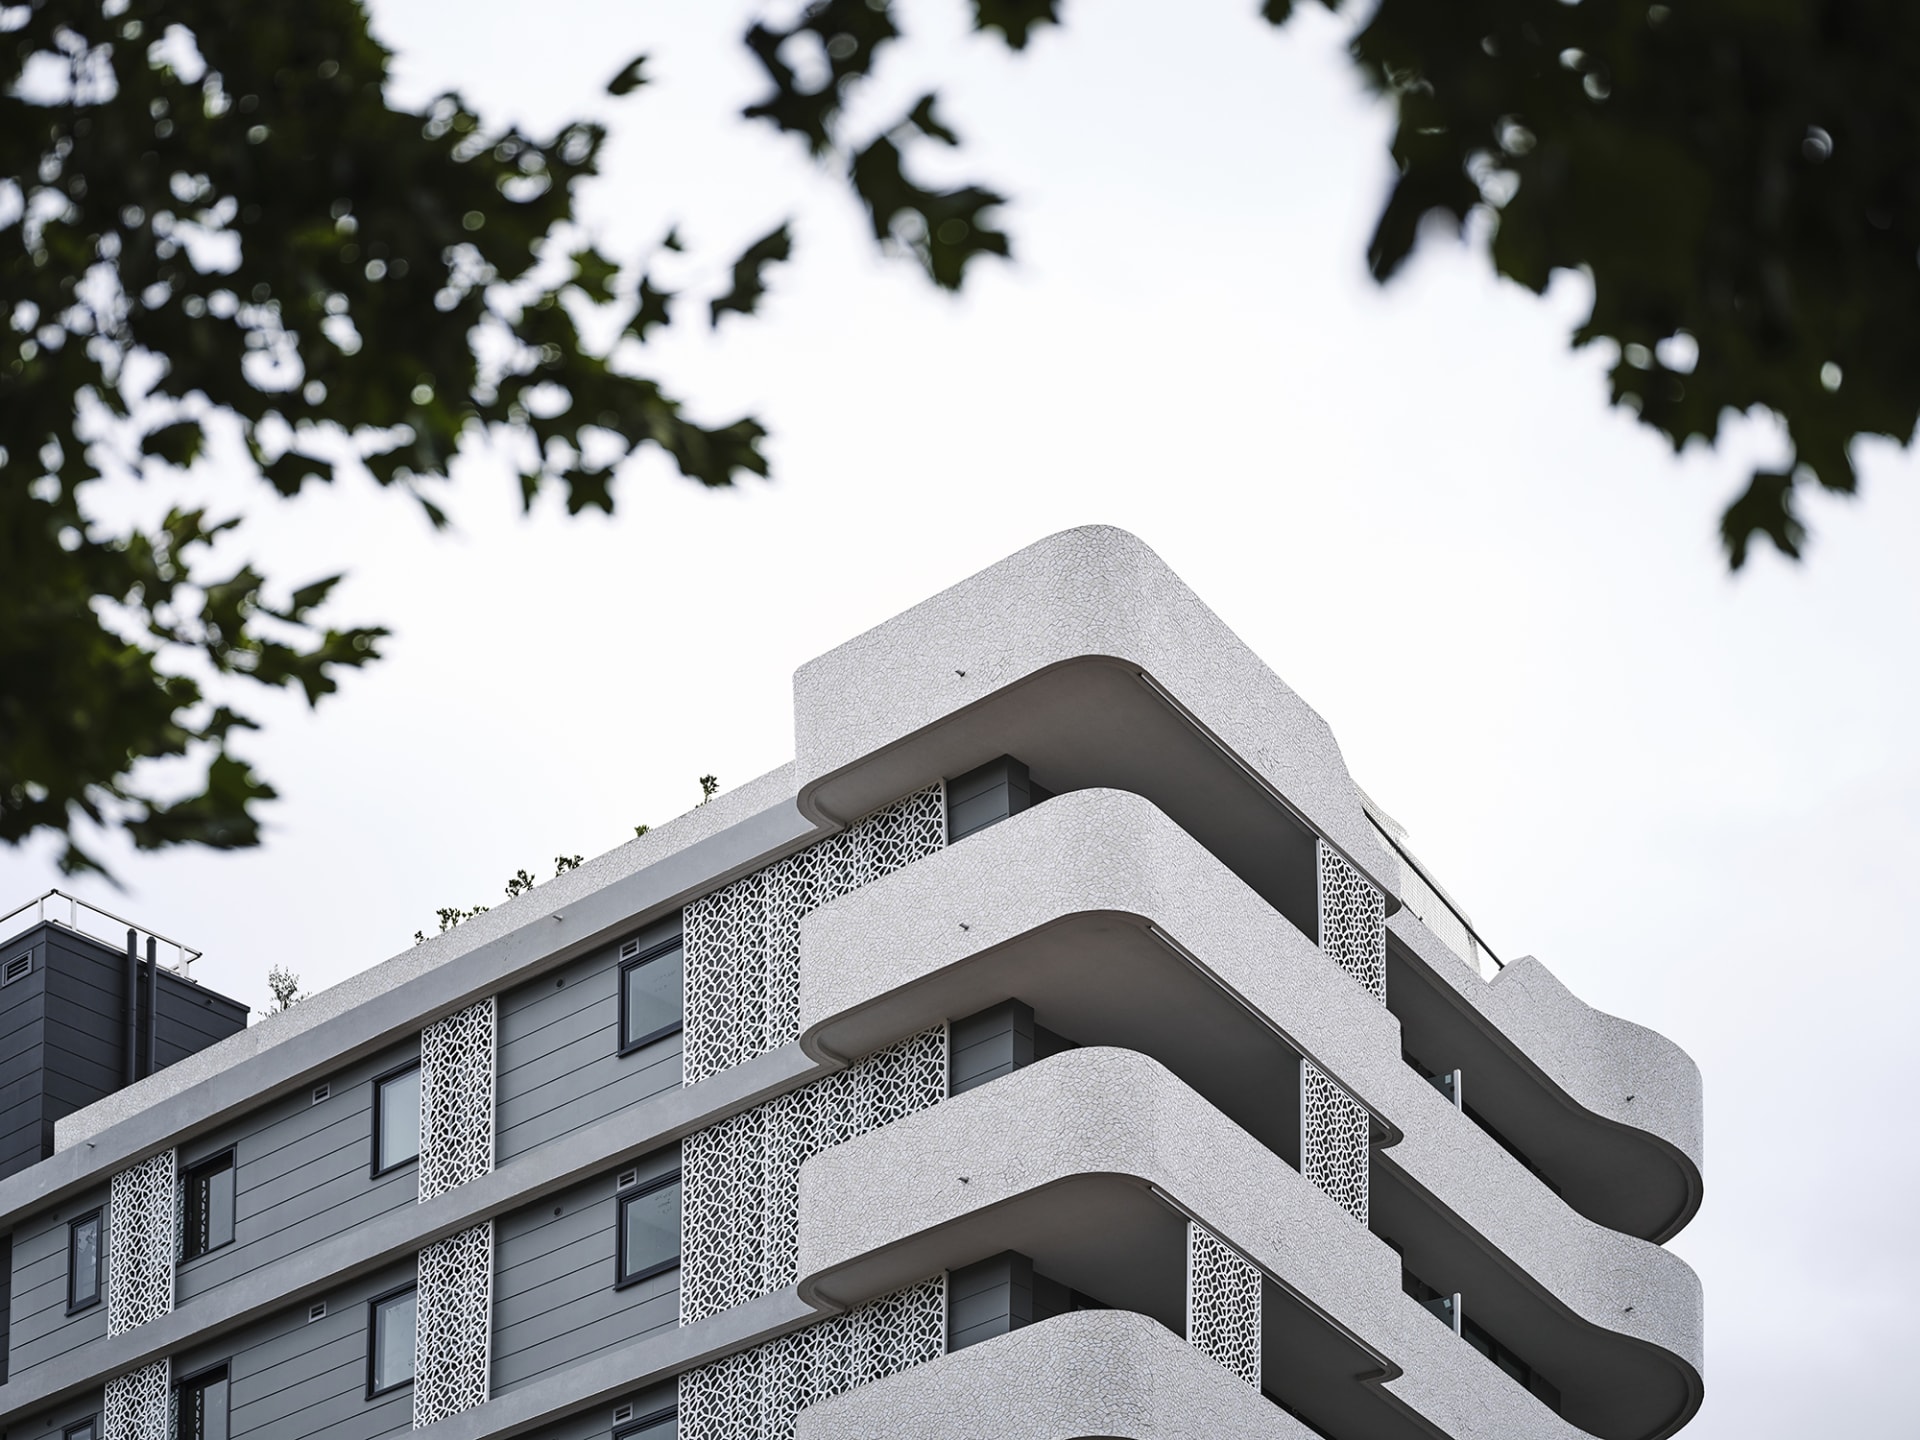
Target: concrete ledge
586 907
609 1376
403 1232
1091 592
1108 1373
1622 1073
1012 912
1024 1157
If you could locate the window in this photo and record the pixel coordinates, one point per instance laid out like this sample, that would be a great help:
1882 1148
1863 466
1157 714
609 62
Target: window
649 1240
657 1426
652 993
83 1262
87 1429
203 1406
396 1118
209 1206
390 1321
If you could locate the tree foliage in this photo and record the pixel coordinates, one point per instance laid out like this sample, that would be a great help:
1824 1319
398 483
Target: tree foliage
214 226
217 232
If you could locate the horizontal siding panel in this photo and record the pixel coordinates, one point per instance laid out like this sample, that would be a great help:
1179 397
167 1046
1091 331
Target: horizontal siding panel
289 1379
554 1298
559 1070
42 1329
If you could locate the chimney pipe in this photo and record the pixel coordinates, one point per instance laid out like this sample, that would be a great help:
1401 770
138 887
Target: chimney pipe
132 1008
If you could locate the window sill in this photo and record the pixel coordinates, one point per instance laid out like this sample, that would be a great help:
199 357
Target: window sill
187 1260
652 1037
652 1272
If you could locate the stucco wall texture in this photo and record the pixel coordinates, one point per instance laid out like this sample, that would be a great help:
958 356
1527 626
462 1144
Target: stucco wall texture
1095 1373
1114 1113
1102 850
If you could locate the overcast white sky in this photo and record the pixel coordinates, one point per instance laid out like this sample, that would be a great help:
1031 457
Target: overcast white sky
1695 798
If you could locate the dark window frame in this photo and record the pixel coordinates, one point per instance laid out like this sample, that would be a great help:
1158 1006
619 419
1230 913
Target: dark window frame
97 1217
412 1287
374 1169
85 1428
221 1160
647 1422
623 1198
631 1043
187 1382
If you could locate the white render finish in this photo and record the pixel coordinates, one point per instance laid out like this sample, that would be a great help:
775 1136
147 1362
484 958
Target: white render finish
882 962
1092 1373
1109 1133
1096 597
1220 1123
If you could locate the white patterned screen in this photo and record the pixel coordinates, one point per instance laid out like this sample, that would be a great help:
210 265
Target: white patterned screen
137 1405
1335 1144
1223 1304
743 942
758 1393
456 1099
1353 921
741 1215
143 1243
453 1338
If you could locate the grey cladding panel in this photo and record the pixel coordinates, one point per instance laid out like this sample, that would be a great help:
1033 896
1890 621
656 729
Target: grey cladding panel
42 1329
986 795
989 1298
555 1301
22 1107
290 1378
300 1175
995 1042
559 1063
598 1423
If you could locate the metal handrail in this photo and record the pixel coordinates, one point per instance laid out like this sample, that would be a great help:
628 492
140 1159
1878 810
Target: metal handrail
185 954
1439 893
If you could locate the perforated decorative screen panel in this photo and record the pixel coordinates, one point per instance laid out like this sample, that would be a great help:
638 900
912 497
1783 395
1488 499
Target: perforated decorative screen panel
143 1243
453 1335
456 1099
1353 921
743 942
740 1231
758 1394
1223 1304
137 1405
1334 1140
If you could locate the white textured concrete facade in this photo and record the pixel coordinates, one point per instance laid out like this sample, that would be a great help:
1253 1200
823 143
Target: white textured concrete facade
1033 1078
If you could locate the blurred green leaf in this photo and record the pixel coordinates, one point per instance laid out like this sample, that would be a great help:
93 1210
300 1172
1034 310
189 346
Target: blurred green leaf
749 283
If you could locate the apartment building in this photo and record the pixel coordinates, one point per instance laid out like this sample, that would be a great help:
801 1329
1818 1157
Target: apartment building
1060 1045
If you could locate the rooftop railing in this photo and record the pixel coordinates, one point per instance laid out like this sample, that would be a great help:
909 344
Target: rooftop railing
57 907
1420 893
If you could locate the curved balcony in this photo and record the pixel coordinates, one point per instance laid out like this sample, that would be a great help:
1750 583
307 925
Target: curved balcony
1093 662
1091 1163
1118 928
1580 1092
1114 1374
